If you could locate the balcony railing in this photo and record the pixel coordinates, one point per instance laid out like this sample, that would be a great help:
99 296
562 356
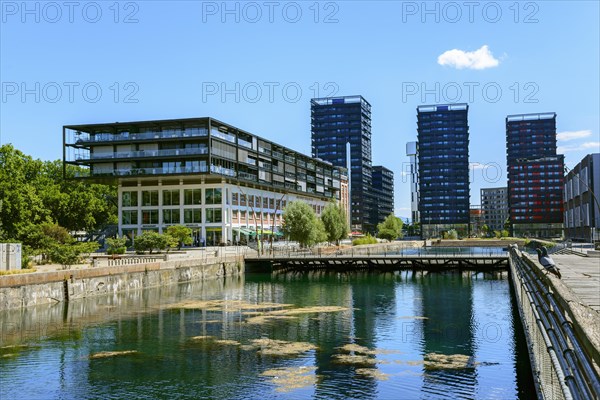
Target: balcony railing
109 137
145 171
142 153
248 177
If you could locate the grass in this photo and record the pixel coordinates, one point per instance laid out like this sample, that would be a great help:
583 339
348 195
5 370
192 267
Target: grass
18 271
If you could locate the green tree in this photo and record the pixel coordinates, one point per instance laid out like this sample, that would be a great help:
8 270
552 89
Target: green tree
34 192
116 245
69 254
299 223
485 229
182 234
320 234
150 241
334 222
390 228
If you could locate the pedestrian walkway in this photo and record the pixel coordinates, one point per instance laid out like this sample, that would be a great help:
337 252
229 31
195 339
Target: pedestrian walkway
582 276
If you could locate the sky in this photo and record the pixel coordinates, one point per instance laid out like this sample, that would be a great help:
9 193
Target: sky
256 65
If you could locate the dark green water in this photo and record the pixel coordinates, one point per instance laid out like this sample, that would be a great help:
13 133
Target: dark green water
403 318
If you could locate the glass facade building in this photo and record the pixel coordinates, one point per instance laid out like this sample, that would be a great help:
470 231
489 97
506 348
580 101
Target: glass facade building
226 184
582 208
335 122
443 168
535 175
383 192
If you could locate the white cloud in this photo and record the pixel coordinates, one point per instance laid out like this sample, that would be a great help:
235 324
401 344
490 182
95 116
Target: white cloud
580 147
478 59
572 135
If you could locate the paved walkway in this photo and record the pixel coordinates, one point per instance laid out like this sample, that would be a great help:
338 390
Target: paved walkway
582 276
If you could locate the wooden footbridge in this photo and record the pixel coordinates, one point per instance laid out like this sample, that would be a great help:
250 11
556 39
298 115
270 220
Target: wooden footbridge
378 262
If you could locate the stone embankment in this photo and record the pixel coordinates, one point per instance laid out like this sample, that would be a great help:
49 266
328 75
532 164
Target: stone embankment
26 290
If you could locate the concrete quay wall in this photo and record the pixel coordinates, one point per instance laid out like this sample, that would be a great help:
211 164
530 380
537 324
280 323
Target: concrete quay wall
25 290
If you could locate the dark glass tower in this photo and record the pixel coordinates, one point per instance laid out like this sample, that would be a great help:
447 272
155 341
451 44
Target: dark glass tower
383 191
336 121
535 175
443 140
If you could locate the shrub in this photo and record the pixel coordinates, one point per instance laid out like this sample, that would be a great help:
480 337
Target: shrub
364 240
182 235
116 245
451 234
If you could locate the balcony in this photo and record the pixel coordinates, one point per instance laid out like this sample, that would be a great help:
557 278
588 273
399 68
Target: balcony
248 177
85 138
142 154
147 171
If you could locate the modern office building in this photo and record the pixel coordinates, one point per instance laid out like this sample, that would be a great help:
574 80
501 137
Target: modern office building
494 205
383 192
335 122
535 175
412 152
226 184
443 163
581 191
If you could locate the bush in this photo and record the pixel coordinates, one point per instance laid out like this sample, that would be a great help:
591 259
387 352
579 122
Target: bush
364 240
451 234
182 235
504 233
151 241
497 234
69 254
116 245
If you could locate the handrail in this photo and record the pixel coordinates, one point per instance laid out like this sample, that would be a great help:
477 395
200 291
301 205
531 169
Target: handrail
571 364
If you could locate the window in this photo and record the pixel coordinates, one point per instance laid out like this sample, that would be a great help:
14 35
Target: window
192 216
212 196
129 217
171 197
150 216
213 215
192 197
171 216
149 197
234 199
130 199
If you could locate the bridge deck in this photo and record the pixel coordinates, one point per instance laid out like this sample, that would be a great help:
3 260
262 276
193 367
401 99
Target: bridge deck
381 262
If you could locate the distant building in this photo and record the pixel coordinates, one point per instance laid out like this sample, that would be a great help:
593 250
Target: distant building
443 162
582 216
535 175
475 220
494 205
383 192
412 153
226 184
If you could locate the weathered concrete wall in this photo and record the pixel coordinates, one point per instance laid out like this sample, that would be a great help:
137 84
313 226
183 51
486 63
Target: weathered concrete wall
42 288
66 319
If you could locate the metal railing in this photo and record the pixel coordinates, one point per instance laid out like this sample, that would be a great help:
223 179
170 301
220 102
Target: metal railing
562 369
391 250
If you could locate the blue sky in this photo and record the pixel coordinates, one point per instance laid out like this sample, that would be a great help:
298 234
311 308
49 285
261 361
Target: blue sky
256 65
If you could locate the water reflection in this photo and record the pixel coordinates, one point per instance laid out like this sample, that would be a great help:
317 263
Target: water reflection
399 319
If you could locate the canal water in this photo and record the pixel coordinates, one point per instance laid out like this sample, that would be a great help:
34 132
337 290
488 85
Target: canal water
400 335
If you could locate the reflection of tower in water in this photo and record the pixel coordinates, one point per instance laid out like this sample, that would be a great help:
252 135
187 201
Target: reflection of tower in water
448 330
372 296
